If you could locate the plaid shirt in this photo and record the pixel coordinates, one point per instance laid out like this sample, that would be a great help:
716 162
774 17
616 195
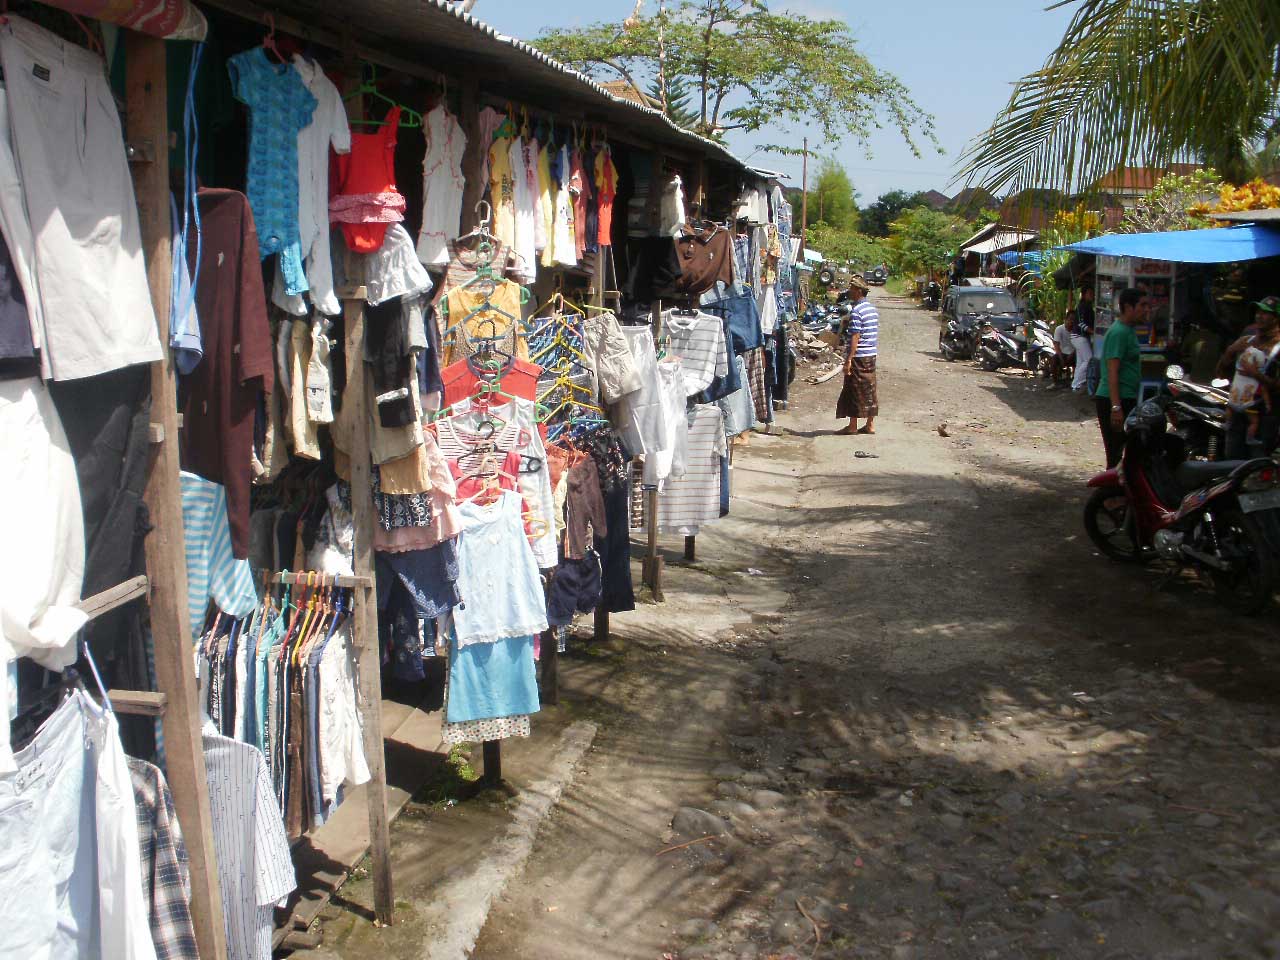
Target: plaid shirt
165 876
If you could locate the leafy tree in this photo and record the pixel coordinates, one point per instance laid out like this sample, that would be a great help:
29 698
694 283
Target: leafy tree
924 240
842 244
749 68
1140 82
1046 298
832 198
887 208
1168 204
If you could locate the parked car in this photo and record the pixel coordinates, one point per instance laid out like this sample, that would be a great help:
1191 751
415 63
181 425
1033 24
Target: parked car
981 303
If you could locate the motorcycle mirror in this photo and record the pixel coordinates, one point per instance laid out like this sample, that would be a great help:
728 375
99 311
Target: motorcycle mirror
1174 372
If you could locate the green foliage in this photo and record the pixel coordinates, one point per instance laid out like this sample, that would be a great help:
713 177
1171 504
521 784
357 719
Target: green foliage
844 244
749 68
923 240
888 207
832 198
1045 297
1140 82
679 101
1168 204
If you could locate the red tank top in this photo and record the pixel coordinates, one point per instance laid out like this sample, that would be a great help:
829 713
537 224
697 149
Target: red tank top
366 200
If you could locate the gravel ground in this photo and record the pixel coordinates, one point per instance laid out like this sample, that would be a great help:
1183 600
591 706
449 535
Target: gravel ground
900 708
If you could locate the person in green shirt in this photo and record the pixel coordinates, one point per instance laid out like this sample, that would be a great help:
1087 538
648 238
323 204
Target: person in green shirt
1121 372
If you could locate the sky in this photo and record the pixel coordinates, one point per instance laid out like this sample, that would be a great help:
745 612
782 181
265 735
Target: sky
958 60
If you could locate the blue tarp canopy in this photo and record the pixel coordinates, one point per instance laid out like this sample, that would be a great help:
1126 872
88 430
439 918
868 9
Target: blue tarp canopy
1029 260
1213 245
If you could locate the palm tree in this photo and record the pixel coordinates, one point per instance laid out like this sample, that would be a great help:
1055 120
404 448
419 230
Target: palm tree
1146 82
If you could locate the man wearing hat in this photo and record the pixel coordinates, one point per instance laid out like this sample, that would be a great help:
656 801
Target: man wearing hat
858 398
1251 362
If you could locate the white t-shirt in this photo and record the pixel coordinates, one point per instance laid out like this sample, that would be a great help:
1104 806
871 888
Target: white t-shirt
1062 337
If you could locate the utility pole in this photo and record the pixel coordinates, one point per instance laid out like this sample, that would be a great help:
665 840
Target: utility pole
804 197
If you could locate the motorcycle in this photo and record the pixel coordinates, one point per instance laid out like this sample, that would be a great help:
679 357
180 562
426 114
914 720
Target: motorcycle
958 339
817 318
1198 415
932 295
1030 349
1211 516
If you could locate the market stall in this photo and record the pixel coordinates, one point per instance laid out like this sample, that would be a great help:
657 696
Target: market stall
379 339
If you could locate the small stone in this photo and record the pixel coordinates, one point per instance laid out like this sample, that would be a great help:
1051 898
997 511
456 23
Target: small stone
812 765
1011 802
755 779
1136 811
952 881
728 771
733 809
786 927
952 821
731 790
1206 820
692 823
768 799
697 930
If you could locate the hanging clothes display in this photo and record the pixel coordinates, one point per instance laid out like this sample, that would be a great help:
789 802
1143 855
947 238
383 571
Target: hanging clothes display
71 877
606 175
326 130
219 400
280 106
691 500
367 200
40 583
502 191
524 200
254 869
166 876
698 340
81 222
442 185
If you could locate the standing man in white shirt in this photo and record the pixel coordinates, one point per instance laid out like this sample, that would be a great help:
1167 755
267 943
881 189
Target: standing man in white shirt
1082 339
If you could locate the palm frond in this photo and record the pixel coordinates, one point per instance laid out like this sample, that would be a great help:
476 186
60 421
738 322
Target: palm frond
1143 82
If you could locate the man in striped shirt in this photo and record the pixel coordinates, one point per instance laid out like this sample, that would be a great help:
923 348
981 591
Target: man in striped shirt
858 398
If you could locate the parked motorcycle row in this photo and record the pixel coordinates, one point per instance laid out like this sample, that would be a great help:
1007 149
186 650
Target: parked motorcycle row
1169 501
1172 500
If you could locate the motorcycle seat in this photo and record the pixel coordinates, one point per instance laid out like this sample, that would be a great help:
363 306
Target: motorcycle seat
1194 474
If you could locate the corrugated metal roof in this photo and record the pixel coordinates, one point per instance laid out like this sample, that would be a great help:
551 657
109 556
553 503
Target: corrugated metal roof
417 27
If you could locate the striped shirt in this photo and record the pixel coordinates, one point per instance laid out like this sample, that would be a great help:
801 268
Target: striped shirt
254 867
687 502
864 321
699 343
212 571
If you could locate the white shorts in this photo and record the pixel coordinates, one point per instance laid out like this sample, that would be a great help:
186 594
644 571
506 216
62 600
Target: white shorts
89 267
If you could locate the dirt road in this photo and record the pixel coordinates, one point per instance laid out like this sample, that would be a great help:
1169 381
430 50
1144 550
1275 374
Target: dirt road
915 713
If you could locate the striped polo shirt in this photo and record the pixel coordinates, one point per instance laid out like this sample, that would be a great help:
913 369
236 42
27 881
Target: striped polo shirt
865 322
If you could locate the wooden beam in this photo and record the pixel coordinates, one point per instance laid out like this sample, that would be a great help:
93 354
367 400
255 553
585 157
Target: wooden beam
114 597
145 98
366 612
142 703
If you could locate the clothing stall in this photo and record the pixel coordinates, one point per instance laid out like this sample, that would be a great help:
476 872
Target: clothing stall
373 375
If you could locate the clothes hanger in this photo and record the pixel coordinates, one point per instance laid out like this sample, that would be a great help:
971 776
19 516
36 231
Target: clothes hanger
408 117
269 41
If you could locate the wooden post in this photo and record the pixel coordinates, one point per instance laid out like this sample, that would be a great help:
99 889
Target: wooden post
550 651
166 558
597 298
602 625
492 762
366 613
690 548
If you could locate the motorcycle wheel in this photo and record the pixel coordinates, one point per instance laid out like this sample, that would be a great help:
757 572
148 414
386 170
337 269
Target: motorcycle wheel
1106 521
1044 366
1248 588
942 349
989 365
